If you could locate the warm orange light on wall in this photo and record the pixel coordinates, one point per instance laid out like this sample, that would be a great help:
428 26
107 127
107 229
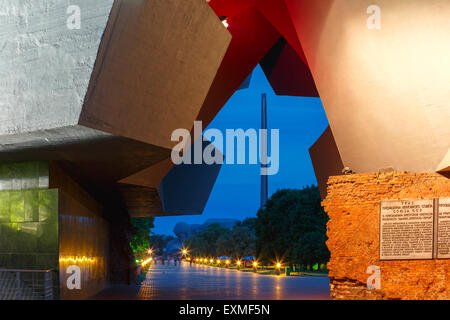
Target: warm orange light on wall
77 259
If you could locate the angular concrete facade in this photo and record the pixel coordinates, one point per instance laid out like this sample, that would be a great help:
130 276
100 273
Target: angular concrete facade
105 98
98 105
384 91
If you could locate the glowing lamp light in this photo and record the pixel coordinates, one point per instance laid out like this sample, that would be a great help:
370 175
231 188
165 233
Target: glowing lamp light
255 264
218 261
278 265
184 251
238 263
227 262
150 251
211 261
146 262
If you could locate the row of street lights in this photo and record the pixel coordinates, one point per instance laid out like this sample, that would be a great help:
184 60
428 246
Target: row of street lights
227 262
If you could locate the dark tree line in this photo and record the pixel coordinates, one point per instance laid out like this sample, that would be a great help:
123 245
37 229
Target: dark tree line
217 241
291 227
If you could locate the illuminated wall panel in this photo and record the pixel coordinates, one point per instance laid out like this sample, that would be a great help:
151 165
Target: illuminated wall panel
40 224
83 236
28 218
83 242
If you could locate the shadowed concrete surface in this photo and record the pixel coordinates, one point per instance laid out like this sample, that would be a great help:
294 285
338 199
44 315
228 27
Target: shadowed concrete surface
198 282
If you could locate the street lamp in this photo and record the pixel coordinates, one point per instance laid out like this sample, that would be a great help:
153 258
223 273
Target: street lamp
227 262
278 267
255 266
238 263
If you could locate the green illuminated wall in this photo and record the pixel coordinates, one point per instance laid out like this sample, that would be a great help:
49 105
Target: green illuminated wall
48 222
28 217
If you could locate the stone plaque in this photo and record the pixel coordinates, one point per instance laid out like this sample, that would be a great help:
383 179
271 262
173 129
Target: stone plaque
443 228
415 229
406 229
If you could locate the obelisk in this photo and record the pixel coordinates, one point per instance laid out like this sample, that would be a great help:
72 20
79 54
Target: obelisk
263 153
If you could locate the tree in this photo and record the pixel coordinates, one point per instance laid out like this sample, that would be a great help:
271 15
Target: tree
205 242
292 227
311 248
141 239
158 242
243 238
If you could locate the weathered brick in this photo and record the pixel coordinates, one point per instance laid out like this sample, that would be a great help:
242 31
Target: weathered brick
352 204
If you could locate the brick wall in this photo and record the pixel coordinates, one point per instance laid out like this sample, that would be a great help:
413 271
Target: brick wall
352 204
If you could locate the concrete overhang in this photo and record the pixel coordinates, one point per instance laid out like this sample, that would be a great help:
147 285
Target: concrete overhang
104 99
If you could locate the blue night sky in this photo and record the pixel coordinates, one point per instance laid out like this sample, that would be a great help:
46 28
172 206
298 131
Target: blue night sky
236 193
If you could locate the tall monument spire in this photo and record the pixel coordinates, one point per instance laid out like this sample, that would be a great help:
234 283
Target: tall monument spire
264 146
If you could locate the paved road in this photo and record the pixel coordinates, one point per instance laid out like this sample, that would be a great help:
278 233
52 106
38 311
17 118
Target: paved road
185 282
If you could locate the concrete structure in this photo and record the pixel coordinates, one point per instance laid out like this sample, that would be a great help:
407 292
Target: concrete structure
380 70
97 105
384 95
81 88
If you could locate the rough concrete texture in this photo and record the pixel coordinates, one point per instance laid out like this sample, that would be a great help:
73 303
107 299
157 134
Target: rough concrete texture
156 64
45 68
352 204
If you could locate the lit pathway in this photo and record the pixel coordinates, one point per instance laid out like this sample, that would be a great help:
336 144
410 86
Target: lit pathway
203 282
